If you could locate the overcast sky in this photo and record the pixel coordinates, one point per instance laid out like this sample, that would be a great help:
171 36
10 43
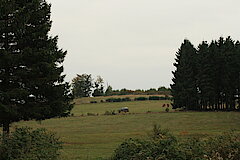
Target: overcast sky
132 43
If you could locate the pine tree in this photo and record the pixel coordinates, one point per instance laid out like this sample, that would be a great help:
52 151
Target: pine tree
205 82
184 87
31 82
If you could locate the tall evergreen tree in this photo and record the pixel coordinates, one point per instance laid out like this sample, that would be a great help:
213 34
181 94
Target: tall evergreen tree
184 89
205 83
31 82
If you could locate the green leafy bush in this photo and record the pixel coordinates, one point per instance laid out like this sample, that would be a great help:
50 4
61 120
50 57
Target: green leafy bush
160 145
27 144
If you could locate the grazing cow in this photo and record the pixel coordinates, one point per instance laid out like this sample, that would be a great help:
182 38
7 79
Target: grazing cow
124 109
164 105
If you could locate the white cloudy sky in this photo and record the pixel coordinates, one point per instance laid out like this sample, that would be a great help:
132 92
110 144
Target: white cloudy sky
132 43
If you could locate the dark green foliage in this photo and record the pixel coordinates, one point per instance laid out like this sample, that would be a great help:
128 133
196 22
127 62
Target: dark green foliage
207 78
118 99
155 98
28 144
163 145
158 98
151 91
31 82
140 99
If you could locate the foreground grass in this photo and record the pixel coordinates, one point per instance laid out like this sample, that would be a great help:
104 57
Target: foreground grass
92 137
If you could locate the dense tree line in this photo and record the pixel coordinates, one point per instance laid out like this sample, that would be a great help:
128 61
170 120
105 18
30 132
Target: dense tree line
83 85
207 77
152 91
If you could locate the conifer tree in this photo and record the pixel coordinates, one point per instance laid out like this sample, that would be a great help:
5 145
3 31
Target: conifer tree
31 82
205 82
184 89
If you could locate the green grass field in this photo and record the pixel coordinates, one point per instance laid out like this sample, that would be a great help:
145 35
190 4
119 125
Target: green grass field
94 137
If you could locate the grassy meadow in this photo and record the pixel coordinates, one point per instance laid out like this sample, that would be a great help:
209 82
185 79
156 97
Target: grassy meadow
96 137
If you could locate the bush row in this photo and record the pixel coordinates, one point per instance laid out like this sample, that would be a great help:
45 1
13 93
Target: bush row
118 99
136 99
160 144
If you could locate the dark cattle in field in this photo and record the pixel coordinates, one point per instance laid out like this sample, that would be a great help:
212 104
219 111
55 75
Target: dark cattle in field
163 105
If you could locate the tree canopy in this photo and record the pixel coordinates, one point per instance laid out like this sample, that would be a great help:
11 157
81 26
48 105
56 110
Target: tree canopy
82 85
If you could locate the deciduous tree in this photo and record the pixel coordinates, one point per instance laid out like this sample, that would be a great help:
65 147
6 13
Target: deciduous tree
82 85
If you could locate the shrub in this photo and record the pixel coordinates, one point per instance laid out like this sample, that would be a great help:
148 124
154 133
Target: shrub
141 99
154 98
110 112
163 145
91 114
27 144
126 99
167 109
118 99
93 101
225 146
114 100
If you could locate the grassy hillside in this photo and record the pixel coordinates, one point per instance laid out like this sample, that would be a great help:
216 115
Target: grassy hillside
134 107
91 137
